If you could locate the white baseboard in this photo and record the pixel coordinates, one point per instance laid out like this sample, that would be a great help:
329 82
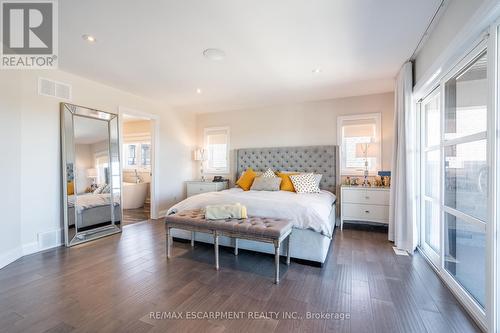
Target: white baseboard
45 241
10 256
30 248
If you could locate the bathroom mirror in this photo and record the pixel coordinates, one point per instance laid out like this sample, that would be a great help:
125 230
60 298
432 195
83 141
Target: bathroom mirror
90 174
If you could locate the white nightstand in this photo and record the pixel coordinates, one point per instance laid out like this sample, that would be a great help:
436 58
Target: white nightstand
197 186
368 204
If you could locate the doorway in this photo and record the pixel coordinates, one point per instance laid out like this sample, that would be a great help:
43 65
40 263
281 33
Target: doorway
138 146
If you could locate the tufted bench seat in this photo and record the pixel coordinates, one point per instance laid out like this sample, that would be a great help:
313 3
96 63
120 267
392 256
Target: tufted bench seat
263 229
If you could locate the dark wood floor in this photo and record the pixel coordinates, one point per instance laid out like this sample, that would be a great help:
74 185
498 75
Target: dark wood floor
131 216
112 285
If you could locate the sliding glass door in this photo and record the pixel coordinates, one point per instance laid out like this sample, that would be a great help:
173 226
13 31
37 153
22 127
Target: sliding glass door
455 197
465 192
431 161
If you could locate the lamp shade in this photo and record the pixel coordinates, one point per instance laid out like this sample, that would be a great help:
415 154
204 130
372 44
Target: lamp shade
366 150
199 155
92 173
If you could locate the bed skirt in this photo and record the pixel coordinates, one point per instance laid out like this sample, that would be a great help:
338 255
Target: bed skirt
305 244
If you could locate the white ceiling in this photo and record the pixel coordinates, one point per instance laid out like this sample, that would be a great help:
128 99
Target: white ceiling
154 48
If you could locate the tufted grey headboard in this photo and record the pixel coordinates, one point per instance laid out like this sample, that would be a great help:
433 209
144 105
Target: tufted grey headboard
317 159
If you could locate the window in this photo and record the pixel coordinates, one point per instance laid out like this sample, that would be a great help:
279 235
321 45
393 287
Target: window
354 130
131 152
137 155
146 154
102 167
217 148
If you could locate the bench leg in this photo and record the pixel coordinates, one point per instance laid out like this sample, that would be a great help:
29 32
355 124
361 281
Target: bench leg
216 247
236 246
288 250
169 242
276 262
192 238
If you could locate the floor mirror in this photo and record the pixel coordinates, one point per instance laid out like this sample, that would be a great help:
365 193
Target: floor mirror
91 174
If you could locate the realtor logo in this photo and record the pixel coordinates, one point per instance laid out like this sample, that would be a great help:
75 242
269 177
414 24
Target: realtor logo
29 35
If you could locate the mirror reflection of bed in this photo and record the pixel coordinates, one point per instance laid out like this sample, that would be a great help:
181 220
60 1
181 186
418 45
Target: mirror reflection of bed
136 151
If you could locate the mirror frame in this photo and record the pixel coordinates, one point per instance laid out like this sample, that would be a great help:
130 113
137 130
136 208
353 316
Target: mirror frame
81 111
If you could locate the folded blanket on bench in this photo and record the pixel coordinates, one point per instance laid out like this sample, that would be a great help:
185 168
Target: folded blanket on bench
218 212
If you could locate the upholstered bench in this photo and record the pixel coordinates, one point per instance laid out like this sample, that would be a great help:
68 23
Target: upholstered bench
262 229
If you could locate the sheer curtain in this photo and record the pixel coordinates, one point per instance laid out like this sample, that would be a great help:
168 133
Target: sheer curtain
402 218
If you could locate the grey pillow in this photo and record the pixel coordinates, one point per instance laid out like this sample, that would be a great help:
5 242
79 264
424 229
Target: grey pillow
266 184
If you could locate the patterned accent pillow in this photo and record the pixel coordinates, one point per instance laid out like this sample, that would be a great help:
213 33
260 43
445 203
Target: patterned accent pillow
106 189
266 184
269 174
305 183
99 189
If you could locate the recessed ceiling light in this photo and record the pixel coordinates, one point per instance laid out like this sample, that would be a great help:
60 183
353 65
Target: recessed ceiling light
89 38
198 91
214 54
316 70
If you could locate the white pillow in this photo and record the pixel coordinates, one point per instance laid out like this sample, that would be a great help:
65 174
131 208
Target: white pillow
269 174
305 183
318 177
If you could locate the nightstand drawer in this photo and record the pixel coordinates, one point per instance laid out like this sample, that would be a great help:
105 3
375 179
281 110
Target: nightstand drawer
361 196
195 187
365 212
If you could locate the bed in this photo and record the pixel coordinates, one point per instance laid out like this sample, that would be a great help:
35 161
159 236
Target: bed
313 215
92 210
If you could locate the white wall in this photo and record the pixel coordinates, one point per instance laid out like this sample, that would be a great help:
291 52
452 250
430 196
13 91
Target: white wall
456 14
310 123
33 172
10 166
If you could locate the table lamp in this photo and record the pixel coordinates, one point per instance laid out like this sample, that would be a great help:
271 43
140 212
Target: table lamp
200 155
366 150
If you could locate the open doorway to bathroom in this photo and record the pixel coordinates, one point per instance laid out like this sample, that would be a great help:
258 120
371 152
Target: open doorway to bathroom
137 147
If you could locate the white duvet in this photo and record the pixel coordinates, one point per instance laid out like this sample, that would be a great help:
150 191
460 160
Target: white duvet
90 200
306 210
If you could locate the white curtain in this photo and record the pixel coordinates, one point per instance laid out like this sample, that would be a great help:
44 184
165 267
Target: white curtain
403 229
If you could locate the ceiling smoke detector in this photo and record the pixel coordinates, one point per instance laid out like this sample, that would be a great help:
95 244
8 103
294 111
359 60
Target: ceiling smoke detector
214 54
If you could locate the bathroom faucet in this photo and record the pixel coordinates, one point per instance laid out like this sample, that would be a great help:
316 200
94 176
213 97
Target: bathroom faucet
137 177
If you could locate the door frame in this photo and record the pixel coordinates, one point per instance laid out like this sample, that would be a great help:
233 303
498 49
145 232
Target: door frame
433 255
155 148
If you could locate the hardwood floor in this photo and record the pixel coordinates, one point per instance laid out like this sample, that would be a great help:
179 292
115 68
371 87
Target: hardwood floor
113 284
131 216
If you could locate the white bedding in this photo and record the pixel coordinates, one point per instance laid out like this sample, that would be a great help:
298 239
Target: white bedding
89 200
306 211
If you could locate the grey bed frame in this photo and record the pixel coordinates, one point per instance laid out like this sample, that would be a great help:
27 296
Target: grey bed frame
306 245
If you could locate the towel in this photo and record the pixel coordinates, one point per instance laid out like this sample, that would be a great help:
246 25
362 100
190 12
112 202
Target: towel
218 212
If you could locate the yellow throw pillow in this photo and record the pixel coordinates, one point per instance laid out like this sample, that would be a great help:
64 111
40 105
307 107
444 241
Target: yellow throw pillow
70 188
286 182
246 179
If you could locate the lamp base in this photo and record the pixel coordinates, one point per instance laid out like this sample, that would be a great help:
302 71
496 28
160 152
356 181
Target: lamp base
365 181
